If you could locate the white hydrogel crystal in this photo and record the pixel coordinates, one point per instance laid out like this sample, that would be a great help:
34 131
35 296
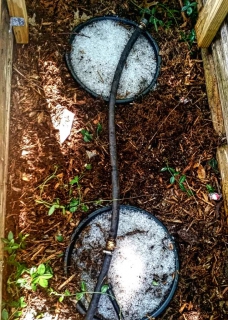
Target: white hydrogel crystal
142 267
96 51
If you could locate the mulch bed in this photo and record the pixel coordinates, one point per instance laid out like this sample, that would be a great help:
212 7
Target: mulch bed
171 126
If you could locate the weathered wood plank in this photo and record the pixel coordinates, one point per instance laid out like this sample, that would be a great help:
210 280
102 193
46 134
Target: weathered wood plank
220 57
210 19
17 8
213 92
222 157
6 45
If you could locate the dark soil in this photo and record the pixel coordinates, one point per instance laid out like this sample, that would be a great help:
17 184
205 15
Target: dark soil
171 126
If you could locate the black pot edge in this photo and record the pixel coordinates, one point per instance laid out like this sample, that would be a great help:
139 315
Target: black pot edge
126 21
92 216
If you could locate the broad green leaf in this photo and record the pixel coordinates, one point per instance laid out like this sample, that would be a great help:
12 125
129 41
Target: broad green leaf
172 170
5 314
22 302
74 204
52 209
41 269
172 180
104 288
155 283
79 295
10 236
182 178
61 298
164 169
33 287
43 282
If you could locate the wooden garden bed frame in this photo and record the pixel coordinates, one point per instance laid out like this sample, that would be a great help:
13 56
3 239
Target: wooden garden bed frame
212 36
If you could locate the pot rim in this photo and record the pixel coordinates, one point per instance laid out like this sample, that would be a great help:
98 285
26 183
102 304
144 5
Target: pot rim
93 215
127 22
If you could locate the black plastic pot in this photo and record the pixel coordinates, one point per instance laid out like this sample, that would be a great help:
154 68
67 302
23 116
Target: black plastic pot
84 223
126 22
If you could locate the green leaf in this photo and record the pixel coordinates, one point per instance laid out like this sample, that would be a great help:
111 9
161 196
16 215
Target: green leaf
79 295
155 283
10 236
182 187
189 11
43 282
210 188
99 128
32 270
46 276
59 238
190 193
67 293
88 166
164 169
74 204
172 170
33 286
5 314
86 135
61 298
172 180
104 288
84 207
182 179
52 209
75 180
83 286
22 302
41 269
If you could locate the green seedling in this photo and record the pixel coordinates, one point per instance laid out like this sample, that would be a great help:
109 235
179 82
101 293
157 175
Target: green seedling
11 245
210 189
213 163
190 8
36 276
99 129
177 177
160 15
16 307
87 137
189 37
44 184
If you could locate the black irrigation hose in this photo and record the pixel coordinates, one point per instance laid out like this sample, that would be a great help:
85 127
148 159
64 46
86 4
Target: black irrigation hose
115 179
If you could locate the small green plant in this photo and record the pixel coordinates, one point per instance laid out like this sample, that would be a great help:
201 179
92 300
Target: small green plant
213 163
35 276
73 202
189 37
176 176
210 189
160 15
11 244
16 307
87 137
190 8
12 309
99 129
